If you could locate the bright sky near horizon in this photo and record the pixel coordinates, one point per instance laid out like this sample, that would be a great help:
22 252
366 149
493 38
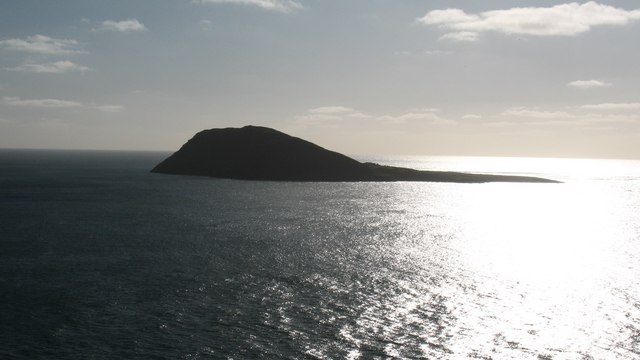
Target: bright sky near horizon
381 77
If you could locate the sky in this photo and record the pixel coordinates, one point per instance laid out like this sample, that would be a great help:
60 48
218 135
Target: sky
363 77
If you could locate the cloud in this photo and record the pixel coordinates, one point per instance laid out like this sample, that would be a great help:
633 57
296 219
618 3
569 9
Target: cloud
41 103
612 106
462 36
57 67
331 110
59 104
535 113
585 120
436 52
471 117
121 26
41 44
285 6
536 117
425 117
330 116
588 84
561 20
333 115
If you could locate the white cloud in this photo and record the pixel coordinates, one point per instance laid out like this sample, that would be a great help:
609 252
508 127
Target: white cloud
427 117
331 110
285 6
41 44
588 84
319 119
535 113
561 20
584 120
436 52
121 26
56 67
332 115
41 103
471 117
612 106
536 117
59 104
461 36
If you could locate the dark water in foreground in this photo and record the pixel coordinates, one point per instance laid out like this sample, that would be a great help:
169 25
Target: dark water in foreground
101 259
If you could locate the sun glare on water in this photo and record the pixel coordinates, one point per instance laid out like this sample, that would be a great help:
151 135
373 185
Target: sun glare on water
530 270
554 234
548 258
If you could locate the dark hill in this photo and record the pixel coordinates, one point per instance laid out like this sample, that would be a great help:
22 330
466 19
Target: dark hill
259 153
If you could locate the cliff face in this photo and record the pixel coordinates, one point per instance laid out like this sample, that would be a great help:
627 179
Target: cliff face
259 153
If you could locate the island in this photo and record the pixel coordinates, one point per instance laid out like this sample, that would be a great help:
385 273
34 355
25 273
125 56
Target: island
261 153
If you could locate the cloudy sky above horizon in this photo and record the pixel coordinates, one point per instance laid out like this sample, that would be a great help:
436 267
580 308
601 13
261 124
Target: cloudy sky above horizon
380 77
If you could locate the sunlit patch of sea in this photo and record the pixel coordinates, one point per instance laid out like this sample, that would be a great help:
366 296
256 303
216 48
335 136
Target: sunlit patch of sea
101 258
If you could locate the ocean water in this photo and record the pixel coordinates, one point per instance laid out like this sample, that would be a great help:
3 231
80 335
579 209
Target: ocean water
100 259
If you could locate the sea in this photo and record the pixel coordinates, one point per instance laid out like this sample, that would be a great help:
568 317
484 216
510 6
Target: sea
101 259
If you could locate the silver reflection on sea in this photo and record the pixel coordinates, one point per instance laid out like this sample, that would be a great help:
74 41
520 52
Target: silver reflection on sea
502 271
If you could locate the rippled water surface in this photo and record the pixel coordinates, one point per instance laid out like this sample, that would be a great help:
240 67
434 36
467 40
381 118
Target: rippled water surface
101 259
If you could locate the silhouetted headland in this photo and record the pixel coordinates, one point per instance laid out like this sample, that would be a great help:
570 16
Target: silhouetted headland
260 153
